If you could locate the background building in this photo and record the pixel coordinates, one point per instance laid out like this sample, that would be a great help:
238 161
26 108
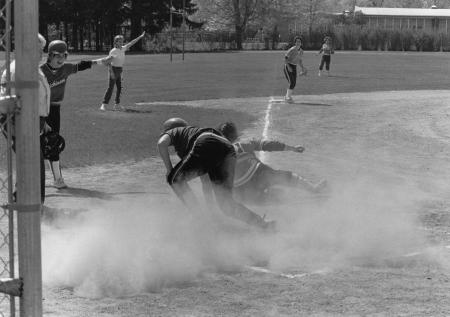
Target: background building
430 20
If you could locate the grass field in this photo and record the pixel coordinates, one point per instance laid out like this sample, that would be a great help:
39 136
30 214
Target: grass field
152 78
378 244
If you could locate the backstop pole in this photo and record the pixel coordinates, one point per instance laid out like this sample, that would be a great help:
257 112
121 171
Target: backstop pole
28 157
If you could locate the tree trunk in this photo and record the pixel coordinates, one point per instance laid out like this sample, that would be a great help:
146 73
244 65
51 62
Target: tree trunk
97 37
75 36
239 32
81 31
135 27
237 23
66 32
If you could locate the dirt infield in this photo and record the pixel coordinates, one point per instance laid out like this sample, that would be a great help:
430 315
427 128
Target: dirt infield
117 243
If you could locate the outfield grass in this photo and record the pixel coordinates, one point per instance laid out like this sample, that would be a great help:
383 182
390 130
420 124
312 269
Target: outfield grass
95 137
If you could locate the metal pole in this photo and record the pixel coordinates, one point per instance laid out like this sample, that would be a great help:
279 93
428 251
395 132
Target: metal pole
171 44
12 269
184 25
28 157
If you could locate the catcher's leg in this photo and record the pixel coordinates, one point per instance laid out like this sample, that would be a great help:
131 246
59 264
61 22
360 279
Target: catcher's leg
178 178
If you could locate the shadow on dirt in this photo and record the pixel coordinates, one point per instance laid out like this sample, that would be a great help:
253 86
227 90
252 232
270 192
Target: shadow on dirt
314 104
89 193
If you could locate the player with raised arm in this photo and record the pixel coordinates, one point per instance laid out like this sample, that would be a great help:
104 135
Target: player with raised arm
57 70
115 61
253 179
204 153
292 58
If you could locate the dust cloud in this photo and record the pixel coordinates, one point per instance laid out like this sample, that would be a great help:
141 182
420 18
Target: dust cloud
142 244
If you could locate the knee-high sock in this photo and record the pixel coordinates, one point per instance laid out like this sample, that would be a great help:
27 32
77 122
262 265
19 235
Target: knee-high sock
56 169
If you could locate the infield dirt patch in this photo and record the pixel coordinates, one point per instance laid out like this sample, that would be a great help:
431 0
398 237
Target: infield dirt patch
118 243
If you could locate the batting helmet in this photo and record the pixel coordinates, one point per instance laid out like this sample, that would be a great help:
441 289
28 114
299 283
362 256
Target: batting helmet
174 123
52 144
229 130
57 46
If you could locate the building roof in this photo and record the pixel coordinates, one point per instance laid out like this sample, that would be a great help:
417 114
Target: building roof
410 12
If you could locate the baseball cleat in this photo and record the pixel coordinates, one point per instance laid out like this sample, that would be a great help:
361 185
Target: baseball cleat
59 183
288 99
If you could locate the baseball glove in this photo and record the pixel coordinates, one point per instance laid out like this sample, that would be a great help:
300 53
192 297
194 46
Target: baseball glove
52 145
304 72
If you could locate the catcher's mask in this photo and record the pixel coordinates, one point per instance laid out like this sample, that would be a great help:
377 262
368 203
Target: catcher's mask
52 145
173 123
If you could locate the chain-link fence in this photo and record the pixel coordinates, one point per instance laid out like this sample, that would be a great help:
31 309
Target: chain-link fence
7 269
6 217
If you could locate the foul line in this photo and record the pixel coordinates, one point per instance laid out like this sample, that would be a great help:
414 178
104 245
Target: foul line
286 275
267 119
265 133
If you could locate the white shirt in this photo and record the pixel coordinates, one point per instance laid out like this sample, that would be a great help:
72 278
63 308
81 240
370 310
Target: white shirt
44 89
119 56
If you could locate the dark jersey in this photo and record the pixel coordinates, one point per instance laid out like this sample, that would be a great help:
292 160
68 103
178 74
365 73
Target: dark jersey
57 78
183 138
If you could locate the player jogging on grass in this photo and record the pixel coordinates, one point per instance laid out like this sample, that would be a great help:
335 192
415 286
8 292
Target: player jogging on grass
57 70
292 58
326 50
115 61
204 153
253 179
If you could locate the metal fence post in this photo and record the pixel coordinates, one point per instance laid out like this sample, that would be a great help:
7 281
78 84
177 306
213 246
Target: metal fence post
27 156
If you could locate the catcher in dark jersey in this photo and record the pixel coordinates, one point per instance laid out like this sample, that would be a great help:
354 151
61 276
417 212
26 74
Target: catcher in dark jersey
204 152
252 178
57 70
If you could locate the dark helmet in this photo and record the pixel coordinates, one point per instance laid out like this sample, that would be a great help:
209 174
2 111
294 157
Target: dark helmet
52 145
174 123
57 46
229 130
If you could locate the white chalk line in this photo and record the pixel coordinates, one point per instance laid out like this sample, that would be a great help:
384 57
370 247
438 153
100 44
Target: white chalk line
426 250
267 117
286 275
323 271
267 122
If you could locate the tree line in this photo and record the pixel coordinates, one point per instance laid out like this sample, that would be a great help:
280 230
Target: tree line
87 24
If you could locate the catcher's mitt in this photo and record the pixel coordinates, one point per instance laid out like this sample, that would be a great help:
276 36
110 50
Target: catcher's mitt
52 145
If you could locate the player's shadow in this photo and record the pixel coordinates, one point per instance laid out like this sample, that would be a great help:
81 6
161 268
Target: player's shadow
313 104
345 76
137 110
89 193
81 192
